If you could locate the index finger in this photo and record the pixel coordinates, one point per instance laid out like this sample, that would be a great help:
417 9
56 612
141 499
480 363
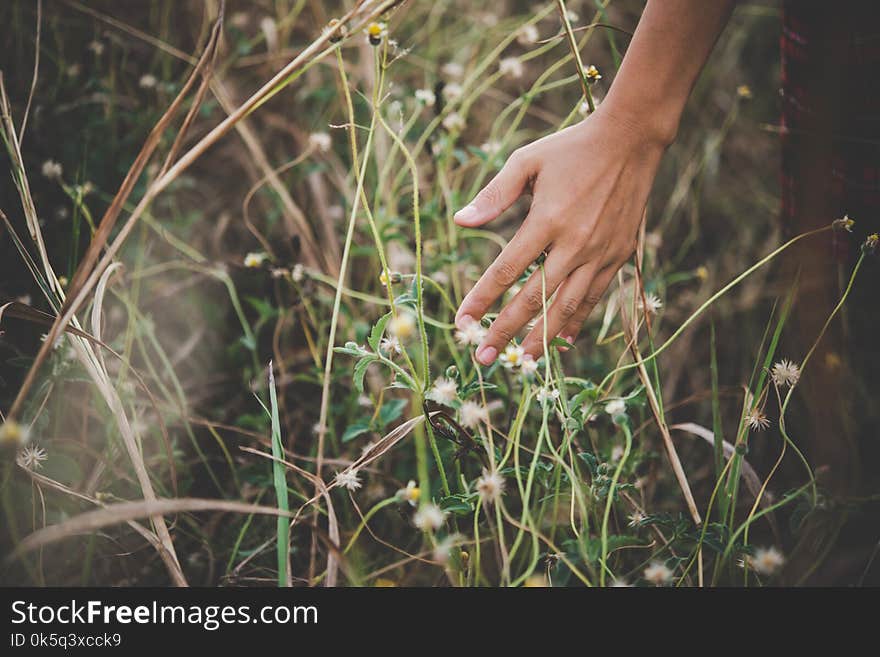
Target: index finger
513 260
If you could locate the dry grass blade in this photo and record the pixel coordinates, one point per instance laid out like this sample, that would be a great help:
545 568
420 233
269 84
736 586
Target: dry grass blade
115 514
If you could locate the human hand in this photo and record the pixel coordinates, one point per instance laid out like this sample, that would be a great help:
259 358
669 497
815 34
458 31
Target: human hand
589 185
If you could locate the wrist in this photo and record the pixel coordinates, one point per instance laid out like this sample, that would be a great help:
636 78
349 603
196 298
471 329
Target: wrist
652 122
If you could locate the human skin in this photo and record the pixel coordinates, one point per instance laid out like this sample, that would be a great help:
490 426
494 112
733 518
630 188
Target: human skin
590 183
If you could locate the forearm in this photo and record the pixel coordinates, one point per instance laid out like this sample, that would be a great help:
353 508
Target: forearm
668 50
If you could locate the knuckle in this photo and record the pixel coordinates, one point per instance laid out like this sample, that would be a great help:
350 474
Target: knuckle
502 333
591 300
568 307
504 273
533 301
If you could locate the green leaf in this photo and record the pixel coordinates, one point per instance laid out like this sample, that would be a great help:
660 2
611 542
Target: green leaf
474 387
360 371
378 330
352 431
391 410
458 504
560 342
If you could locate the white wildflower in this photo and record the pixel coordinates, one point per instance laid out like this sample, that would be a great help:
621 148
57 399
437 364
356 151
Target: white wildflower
511 67
471 333
402 326
527 35
615 407
348 479
147 81
443 549
471 414
490 486
547 395
766 561
635 518
409 494
529 366
253 260
52 169
453 122
429 518
390 345
658 574
491 148
650 304
512 356
444 391
97 47
452 91
756 420
426 97
452 70
320 141
31 457
785 373
297 273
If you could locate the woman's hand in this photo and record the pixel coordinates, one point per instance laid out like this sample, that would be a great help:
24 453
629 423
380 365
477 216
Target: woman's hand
589 186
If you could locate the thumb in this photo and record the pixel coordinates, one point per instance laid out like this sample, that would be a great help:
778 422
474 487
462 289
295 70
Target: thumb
498 195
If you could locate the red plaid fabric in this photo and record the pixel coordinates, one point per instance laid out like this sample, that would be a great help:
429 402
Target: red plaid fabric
831 116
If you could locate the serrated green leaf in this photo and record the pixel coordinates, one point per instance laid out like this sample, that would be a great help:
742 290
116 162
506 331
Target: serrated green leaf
360 371
378 330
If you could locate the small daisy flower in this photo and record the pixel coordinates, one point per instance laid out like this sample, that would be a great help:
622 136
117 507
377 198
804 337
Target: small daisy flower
471 414
348 479
658 574
452 91
390 345
320 141
870 245
615 407
453 122
52 169
13 434
635 518
444 391
297 273
744 91
592 74
254 260
529 366
527 35
452 70
650 304
757 420
429 518
766 561
147 81
511 67
426 97
376 32
547 395
513 356
409 494
490 486
702 272
785 373
402 326
31 457
471 334
844 223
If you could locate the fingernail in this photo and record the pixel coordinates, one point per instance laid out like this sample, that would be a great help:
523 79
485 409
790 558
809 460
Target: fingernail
486 355
467 213
463 322
568 338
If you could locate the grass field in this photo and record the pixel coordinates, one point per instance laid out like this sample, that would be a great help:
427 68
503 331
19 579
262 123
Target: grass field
227 292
